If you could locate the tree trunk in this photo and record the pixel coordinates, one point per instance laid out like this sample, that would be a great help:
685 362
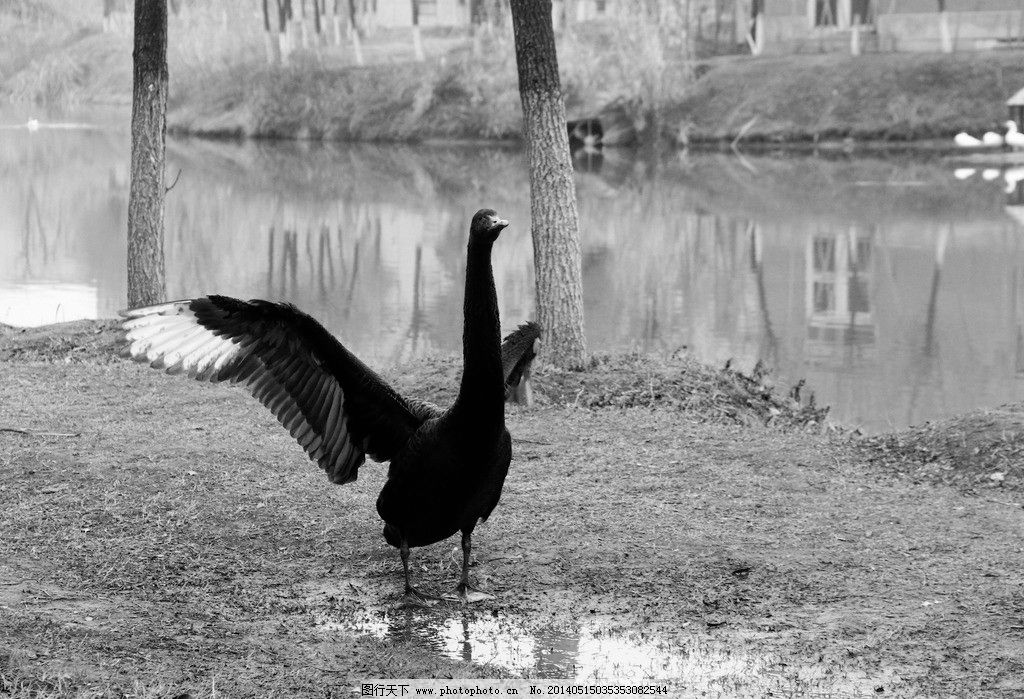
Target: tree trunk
335 21
146 196
284 38
477 21
945 38
718 22
417 36
303 27
553 214
369 17
353 28
272 49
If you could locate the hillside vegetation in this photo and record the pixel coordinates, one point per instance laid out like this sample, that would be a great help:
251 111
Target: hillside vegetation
892 97
221 83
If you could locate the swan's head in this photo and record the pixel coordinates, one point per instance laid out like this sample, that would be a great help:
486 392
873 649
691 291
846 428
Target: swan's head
486 225
1011 125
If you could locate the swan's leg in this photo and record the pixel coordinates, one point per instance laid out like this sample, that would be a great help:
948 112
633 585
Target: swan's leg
412 597
467 592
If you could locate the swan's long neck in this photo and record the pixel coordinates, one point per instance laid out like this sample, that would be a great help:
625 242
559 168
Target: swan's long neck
482 392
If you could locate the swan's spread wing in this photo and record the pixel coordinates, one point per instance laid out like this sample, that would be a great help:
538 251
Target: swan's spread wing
517 352
331 403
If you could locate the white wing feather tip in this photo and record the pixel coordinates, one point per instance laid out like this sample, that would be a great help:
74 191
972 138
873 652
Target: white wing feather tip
170 337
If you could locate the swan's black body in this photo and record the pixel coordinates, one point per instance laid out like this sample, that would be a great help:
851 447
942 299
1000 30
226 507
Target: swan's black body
447 467
451 474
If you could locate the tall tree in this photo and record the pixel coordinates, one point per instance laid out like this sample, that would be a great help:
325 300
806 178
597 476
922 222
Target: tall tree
945 38
335 20
553 215
354 32
417 35
146 196
272 49
300 20
316 22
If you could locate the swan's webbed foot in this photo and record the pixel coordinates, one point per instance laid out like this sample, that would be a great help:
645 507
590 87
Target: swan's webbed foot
415 598
469 594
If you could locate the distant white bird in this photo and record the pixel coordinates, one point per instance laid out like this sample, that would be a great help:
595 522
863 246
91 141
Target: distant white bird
991 138
32 124
989 174
1011 177
963 173
1013 138
966 140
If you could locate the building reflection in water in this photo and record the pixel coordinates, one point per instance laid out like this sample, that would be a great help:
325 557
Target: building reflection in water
894 288
838 283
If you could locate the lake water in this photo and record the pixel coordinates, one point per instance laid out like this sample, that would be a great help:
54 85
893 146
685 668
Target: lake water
895 287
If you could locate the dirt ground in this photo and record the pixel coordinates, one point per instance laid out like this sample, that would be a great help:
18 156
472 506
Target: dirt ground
164 538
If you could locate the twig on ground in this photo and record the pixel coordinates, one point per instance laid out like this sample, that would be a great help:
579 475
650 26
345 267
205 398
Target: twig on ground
34 433
1005 502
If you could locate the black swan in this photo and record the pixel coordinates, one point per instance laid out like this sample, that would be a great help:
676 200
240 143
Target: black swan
447 467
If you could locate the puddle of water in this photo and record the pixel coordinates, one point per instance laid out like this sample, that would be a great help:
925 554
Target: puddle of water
594 653
502 641
28 304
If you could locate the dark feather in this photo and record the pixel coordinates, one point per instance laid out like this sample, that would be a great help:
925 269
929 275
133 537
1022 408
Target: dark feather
291 364
518 350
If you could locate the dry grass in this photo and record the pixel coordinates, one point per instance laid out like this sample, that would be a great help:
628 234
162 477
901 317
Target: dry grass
678 382
981 450
621 381
180 542
892 97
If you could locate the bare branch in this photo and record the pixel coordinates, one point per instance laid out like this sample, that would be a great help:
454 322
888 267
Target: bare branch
167 189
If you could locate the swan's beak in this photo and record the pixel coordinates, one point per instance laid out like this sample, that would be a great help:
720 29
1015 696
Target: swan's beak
499 223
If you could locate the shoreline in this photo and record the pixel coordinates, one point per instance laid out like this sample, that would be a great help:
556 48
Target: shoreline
833 147
962 450
826 102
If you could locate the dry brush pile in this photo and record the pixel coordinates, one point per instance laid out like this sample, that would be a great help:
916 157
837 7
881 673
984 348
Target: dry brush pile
611 381
980 450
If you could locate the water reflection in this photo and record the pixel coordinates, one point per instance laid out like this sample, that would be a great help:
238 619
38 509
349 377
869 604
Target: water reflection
895 288
740 664
497 639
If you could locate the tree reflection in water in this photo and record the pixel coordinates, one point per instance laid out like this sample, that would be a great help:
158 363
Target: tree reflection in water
887 284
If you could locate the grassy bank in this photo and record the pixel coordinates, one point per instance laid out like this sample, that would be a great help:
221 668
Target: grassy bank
382 103
889 97
55 54
892 98
163 537
221 84
467 90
